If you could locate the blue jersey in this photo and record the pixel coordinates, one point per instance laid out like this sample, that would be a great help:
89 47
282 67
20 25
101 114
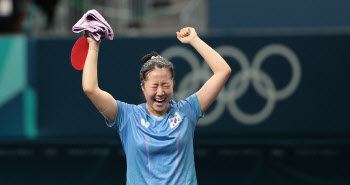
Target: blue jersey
159 151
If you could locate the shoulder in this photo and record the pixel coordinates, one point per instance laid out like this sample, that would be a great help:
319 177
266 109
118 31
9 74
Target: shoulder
126 109
190 106
189 101
127 105
187 105
125 112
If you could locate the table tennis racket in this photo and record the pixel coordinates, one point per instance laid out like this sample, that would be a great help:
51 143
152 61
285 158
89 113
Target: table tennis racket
79 53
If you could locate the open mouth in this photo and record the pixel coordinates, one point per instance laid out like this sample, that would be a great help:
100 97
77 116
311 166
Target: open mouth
159 100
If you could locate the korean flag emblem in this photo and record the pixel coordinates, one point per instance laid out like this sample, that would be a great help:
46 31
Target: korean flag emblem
175 120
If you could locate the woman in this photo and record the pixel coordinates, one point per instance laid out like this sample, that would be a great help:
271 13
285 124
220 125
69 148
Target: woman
157 136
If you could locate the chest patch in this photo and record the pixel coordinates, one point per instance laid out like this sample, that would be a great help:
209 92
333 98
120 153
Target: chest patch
175 120
145 124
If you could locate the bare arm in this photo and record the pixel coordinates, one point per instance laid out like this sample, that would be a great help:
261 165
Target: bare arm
211 89
103 101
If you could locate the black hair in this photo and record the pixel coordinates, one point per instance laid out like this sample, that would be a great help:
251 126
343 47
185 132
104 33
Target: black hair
149 64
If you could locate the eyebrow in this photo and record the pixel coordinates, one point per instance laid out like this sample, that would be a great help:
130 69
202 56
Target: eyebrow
156 83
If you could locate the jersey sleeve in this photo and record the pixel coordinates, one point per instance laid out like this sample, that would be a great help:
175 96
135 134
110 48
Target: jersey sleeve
123 113
191 107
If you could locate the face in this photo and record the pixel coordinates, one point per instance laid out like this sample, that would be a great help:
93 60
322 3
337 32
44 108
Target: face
158 91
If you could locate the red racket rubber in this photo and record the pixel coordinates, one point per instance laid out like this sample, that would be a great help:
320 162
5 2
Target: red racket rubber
79 53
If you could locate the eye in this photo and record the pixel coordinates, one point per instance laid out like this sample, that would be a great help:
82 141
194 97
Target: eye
166 85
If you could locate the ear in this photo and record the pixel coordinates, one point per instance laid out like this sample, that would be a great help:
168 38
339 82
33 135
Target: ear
142 87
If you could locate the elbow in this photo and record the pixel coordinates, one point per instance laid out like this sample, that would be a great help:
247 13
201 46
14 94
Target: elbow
88 90
228 71
85 88
224 73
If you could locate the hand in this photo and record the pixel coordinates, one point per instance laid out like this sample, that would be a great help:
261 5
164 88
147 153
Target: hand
93 44
187 35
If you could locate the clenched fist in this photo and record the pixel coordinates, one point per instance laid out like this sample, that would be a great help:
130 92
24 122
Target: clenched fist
187 35
94 45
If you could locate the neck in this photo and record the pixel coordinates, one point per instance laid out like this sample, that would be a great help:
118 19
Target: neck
155 113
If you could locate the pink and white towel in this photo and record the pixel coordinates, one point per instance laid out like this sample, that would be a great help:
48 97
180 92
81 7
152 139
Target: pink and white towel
95 24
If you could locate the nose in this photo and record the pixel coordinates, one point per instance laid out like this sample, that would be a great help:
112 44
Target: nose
160 91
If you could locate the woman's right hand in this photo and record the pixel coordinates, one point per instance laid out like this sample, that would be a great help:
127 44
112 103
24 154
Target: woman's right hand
93 44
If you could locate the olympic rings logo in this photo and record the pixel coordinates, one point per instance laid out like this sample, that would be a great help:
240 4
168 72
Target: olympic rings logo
239 83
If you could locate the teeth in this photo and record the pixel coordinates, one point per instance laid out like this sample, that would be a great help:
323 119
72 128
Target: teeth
157 99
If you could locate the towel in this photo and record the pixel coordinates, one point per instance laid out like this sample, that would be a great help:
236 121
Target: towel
95 24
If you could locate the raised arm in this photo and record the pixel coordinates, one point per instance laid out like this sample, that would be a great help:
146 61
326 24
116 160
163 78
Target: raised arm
103 101
211 89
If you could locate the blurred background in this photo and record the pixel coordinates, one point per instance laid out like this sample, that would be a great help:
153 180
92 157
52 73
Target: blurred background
282 117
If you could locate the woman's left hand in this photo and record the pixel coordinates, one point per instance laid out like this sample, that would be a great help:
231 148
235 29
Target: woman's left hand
187 35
